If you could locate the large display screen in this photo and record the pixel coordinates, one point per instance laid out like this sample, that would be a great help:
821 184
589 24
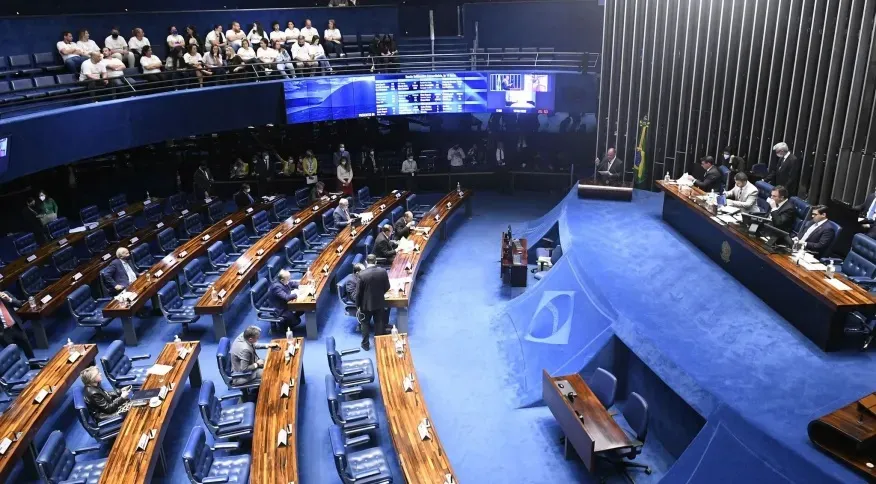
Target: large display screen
329 98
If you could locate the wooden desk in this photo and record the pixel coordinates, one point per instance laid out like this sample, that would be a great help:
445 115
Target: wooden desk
87 271
591 433
422 461
23 415
407 264
515 273
332 256
247 266
272 464
125 464
11 272
802 297
171 265
849 435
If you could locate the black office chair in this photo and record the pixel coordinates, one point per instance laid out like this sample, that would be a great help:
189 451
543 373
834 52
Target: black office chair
636 414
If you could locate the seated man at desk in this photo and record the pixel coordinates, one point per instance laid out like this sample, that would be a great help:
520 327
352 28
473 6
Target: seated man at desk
817 235
743 195
244 357
120 272
280 293
782 212
867 214
101 403
384 246
342 214
711 178
404 226
610 168
242 198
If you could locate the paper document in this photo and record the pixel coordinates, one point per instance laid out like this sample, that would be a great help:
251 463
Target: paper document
728 209
718 220
812 266
76 230
366 217
405 245
727 218
159 370
837 284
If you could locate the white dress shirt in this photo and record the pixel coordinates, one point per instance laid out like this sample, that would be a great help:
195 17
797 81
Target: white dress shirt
89 67
500 156
811 229
132 275
409 166
254 37
308 33
151 64
175 40
111 62
292 34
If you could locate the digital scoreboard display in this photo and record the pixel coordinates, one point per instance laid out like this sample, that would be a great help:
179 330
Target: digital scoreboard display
321 99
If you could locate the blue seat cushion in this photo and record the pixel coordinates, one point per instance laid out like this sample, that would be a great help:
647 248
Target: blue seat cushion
88 470
139 374
244 411
357 409
235 468
363 364
95 321
359 463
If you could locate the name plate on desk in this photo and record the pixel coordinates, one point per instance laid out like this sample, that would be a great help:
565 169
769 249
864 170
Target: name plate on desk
182 353
397 195
42 395
242 270
282 436
249 210
183 254
565 388
448 479
162 393
260 252
296 221
74 355
221 294
340 249
334 197
449 204
408 383
325 269
31 258
46 298
291 349
159 225
143 442
423 429
184 213
206 237
382 206
77 276
278 235
353 232
62 242
122 213
284 390
135 240
316 208
105 257
4 445
408 267
147 202
158 273
228 222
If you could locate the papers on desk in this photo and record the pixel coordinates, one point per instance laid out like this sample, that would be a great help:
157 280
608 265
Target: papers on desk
74 355
126 296
730 219
306 290
397 285
728 210
837 284
718 220
159 370
366 217
76 230
405 246
4 445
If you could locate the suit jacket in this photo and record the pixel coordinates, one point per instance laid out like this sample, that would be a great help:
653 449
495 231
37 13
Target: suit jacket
373 285
202 183
383 247
12 307
243 199
314 195
33 224
342 218
786 173
745 198
400 229
711 181
262 169
117 274
102 403
352 287
614 167
279 294
865 207
820 239
783 217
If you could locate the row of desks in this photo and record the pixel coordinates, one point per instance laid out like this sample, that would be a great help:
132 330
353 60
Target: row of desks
14 269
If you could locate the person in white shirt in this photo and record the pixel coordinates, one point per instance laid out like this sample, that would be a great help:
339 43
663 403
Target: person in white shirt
93 71
119 48
500 154
744 195
246 53
86 45
267 56
317 53
151 65
72 55
276 34
308 31
256 33
301 56
284 60
194 60
456 156
214 61
214 37
137 41
409 166
114 68
174 39
334 41
292 34
235 36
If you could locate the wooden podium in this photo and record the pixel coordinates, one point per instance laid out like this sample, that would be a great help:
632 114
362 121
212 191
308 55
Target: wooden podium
591 189
514 262
849 434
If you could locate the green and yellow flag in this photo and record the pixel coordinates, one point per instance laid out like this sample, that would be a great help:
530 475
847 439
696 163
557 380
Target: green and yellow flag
639 160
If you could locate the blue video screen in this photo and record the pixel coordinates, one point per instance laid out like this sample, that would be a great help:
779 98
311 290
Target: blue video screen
332 98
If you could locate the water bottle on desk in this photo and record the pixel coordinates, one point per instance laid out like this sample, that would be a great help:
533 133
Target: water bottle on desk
177 343
69 345
666 177
459 189
394 333
31 301
831 270
289 337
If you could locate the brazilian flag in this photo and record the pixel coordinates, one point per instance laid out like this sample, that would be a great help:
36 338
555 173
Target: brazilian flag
639 164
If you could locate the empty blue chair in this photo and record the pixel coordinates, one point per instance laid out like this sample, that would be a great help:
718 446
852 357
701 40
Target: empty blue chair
764 190
192 225
302 197
196 279
57 464
280 211
556 253
215 212
312 241
223 361
363 197
328 224
95 242
203 467
103 430
353 416
123 228
396 214
226 421
31 281
365 245
64 260
604 386
294 255
636 414
25 244
87 311
22 65
367 466
16 371
118 202
142 257
860 263
153 212
802 209
725 176
89 214
106 283
261 225
350 372
417 209
173 306
58 228
176 202
119 368
217 256
167 241
258 296
239 239
46 61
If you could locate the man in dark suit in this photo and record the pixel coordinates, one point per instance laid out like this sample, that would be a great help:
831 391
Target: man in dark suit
817 234
280 293
787 171
203 181
384 246
351 286
711 177
371 300
318 191
31 218
404 226
609 169
261 164
11 331
782 213
120 273
867 214
242 198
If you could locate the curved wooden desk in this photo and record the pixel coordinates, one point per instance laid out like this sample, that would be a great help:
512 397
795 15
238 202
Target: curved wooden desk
247 266
26 416
270 463
848 434
127 465
326 264
406 264
170 266
422 461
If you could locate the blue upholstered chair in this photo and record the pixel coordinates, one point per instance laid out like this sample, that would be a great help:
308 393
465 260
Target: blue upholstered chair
860 263
217 257
89 214
280 210
367 466
87 311
347 303
104 430
142 257
224 420
760 169
153 212
64 260
258 296
636 414
277 263
176 202
118 202
802 210
363 197
25 244
96 242
31 281
58 228
119 368
329 230
123 227
204 467
365 245
167 241
192 225
302 197
353 416
350 372
173 306
380 225
725 176
604 386
57 464
396 214
261 225
223 361
764 190
313 243
295 256
240 239
16 371
417 209
215 211
556 254
197 280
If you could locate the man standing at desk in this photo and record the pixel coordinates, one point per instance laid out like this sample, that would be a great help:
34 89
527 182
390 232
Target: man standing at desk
120 273
610 168
818 235
782 213
371 299
711 177
743 195
787 171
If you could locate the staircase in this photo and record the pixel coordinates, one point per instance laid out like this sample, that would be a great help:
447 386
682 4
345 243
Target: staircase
423 46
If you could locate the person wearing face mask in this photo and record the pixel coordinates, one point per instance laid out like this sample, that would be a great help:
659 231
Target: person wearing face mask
345 176
337 156
120 273
203 181
242 198
369 161
48 207
736 164
174 39
309 166
30 215
119 47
